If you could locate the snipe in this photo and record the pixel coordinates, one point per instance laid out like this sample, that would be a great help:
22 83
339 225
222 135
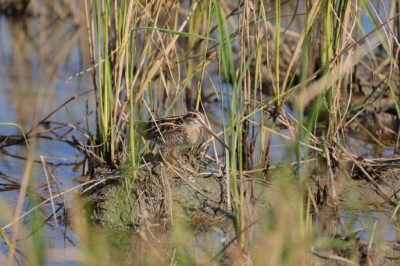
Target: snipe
177 132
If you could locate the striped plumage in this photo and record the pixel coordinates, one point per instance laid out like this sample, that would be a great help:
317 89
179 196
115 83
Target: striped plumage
176 132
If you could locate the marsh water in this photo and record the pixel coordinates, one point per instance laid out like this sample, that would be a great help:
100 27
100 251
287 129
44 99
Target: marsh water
39 62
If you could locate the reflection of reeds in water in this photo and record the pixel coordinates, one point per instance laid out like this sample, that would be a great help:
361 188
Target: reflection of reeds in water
38 65
36 56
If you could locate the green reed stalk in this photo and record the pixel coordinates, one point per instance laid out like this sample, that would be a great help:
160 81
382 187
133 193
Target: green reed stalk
116 55
370 11
333 28
303 211
210 14
194 28
130 74
117 75
303 225
105 80
235 159
20 130
327 49
277 45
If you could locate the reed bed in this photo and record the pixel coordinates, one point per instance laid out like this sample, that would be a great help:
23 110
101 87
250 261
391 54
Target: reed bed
309 73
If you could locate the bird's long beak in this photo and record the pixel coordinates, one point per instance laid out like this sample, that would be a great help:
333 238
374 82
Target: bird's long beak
215 136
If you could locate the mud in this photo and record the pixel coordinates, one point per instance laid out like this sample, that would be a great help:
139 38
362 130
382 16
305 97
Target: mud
185 186
193 187
373 189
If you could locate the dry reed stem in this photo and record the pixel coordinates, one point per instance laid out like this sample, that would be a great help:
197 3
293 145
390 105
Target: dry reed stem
382 192
157 64
337 72
18 209
167 191
123 47
310 21
332 257
287 137
72 189
49 188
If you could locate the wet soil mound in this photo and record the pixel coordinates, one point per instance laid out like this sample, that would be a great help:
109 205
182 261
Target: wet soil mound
187 186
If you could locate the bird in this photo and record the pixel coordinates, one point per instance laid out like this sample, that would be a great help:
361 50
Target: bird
177 132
